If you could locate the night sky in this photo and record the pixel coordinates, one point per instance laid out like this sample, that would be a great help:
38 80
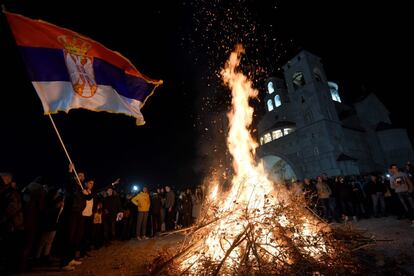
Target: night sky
185 43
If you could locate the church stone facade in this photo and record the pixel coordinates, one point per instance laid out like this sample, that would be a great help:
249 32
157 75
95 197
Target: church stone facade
307 130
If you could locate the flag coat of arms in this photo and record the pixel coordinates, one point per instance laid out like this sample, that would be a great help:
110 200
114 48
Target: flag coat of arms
69 70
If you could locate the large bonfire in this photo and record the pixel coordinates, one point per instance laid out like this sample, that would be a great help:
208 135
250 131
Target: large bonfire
257 227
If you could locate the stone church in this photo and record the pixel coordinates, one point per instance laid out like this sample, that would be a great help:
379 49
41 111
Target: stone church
307 130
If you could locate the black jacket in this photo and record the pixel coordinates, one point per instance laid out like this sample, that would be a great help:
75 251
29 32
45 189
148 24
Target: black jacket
75 199
11 213
50 219
156 205
111 206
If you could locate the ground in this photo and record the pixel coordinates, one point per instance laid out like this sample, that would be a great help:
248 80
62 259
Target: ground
395 243
394 248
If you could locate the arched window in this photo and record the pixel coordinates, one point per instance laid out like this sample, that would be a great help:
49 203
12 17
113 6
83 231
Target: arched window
269 105
261 140
270 87
298 80
334 91
278 102
267 138
276 134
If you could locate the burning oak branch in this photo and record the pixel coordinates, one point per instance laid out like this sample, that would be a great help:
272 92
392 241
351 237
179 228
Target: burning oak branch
257 227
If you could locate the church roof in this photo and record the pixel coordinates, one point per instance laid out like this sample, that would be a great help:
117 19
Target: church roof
344 157
343 114
363 96
384 126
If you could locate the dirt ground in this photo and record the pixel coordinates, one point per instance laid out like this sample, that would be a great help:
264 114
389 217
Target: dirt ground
132 257
120 258
394 246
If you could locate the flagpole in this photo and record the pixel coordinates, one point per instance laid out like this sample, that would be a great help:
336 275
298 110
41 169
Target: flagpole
64 148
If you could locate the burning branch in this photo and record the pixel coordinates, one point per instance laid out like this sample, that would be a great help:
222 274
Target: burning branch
256 227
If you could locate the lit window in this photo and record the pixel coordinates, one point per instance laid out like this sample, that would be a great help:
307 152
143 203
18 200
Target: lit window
267 138
261 140
298 80
334 91
278 102
276 134
286 131
270 87
269 105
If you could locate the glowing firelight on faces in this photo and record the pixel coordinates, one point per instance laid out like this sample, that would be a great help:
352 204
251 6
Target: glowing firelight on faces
249 185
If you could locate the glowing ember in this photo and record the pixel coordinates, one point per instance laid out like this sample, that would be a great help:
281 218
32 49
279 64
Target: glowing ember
255 227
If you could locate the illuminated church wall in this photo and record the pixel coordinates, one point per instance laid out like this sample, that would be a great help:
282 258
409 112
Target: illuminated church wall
307 125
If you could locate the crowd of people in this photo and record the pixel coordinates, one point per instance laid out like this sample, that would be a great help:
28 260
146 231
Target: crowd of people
40 221
41 224
344 198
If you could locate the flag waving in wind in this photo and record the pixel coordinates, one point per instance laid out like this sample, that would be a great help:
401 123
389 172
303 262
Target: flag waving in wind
69 70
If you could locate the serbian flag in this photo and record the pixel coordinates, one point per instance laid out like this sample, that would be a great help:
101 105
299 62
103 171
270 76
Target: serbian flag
69 70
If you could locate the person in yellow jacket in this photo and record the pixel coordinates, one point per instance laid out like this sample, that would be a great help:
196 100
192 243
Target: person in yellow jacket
142 200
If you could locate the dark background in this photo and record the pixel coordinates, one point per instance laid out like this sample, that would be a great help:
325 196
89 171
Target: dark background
362 46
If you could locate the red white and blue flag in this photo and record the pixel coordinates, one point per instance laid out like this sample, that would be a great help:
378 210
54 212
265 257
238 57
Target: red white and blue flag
69 70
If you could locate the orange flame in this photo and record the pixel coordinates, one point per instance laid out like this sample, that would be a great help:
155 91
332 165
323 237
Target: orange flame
244 204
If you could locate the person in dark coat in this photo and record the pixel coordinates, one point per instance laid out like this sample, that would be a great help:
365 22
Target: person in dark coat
155 210
358 197
48 225
161 194
11 225
75 203
376 189
310 193
169 208
97 226
34 196
187 208
87 217
111 207
345 198
129 210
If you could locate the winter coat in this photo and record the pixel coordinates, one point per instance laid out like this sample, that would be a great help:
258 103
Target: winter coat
345 191
142 200
112 206
11 213
323 190
376 187
156 204
170 199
